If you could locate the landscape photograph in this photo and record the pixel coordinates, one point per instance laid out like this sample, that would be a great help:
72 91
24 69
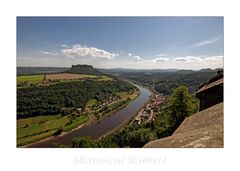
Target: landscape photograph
119 82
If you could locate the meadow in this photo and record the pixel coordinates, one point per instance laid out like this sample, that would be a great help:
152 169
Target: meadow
46 79
36 128
67 76
30 78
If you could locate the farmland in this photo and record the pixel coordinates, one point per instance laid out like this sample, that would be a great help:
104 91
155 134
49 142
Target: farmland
67 76
64 77
35 128
34 79
47 79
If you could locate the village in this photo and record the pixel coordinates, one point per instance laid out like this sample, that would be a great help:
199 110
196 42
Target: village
98 108
147 113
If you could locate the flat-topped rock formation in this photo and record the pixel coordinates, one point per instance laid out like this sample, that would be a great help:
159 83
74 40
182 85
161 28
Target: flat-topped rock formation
83 69
203 129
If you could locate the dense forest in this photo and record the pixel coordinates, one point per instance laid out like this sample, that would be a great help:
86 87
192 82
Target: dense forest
54 99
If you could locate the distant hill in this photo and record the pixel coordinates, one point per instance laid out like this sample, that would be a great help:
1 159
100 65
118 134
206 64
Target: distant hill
122 71
185 71
83 69
206 70
116 71
39 70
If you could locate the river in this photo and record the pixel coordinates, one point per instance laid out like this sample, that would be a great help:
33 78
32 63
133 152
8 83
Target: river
103 127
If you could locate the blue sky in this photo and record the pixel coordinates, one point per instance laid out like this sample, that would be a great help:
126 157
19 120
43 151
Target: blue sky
121 42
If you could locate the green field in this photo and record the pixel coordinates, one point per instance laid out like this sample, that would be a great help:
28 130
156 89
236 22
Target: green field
40 127
30 78
123 95
34 138
76 122
23 81
35 120
104 78
87 76
91 102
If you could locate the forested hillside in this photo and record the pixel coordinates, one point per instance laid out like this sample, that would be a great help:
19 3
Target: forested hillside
165 82
52 99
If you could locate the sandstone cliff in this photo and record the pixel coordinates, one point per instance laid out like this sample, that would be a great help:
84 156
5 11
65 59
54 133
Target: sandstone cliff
203 129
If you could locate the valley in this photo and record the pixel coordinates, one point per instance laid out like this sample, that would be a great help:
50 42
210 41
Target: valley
50 104
55 108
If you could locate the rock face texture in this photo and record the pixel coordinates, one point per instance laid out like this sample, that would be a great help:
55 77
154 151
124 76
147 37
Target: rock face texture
211 92
203 129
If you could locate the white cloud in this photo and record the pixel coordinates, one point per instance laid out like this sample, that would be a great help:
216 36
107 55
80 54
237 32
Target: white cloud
83 51
203 43
213 59
49 53
194 59
160 59
63 45
187 59
184 62
136 57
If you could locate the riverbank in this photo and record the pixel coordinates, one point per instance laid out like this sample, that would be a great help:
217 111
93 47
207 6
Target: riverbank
106 125
128 121
132 97
51 137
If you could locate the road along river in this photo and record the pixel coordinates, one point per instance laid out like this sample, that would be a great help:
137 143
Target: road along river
104 126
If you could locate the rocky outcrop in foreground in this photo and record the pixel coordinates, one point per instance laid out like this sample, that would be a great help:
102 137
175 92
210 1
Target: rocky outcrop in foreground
203 129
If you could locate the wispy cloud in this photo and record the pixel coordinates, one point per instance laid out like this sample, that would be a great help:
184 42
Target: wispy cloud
134 56
187 59
213 59
84 51
184 59
160 59
206 42
49 53
196 59
178 62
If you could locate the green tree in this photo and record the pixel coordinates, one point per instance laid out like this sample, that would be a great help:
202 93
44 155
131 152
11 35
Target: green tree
84 142
181 104
58 131
107 142
140 137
